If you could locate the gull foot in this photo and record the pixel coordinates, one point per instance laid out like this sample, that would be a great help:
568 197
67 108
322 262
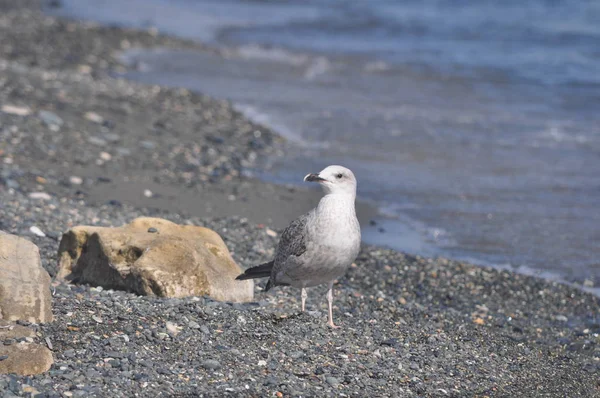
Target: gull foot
332 325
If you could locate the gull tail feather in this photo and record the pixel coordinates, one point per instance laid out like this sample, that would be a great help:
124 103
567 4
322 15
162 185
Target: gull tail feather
260 271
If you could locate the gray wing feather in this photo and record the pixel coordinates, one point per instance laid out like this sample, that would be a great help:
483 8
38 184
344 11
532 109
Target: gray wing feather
292 243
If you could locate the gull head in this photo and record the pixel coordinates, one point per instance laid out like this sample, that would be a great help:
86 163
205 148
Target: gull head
335 180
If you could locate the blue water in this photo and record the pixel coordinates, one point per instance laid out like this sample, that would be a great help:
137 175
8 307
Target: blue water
475 126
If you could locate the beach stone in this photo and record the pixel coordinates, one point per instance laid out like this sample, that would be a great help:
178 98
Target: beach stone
211 364
24 284
176 261
332 381
22 356
94 117
15 110
10 330
97 141
25 359
50 118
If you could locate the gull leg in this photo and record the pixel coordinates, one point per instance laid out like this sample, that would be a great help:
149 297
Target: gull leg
330 303
303 295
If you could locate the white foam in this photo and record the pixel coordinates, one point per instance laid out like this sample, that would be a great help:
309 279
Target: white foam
315 66
272 54
376 66
257 116
318 66
392 210
555 133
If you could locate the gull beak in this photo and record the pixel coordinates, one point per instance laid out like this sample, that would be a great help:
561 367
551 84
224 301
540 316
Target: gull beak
313 178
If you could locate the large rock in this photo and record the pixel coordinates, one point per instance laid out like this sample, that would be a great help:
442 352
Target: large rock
152 256
9 330
24 358
24 284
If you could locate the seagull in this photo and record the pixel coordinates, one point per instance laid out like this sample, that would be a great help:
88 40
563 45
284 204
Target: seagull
320 245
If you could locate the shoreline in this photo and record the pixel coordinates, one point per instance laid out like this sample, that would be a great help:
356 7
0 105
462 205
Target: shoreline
259 200
127 137
411 326
412 229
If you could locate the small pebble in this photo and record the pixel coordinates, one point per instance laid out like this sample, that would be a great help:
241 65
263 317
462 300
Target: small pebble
172 328
40 195
70 353
97 141
112 137
390 342
123 151
76 180
50 118
148 144
94 117
86 69
211 364
332 381
36 231
147 193
152 230
15 110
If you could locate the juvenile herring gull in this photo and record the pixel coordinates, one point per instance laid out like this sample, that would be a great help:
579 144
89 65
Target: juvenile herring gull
320 245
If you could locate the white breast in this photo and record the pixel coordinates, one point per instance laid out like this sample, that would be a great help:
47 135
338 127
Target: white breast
335 231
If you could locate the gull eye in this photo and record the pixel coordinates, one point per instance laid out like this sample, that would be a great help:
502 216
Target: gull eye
339 175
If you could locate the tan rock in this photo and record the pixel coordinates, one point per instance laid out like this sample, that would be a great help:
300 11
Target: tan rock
9 330
25 359
24 284
169 261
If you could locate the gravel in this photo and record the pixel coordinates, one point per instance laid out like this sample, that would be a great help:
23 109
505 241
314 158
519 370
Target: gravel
179 152
103 127
111 343
411 326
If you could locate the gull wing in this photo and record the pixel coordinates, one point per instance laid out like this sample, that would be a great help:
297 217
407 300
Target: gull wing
291 245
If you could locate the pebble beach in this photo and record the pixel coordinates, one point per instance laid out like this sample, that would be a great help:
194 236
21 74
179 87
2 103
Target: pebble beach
81 146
